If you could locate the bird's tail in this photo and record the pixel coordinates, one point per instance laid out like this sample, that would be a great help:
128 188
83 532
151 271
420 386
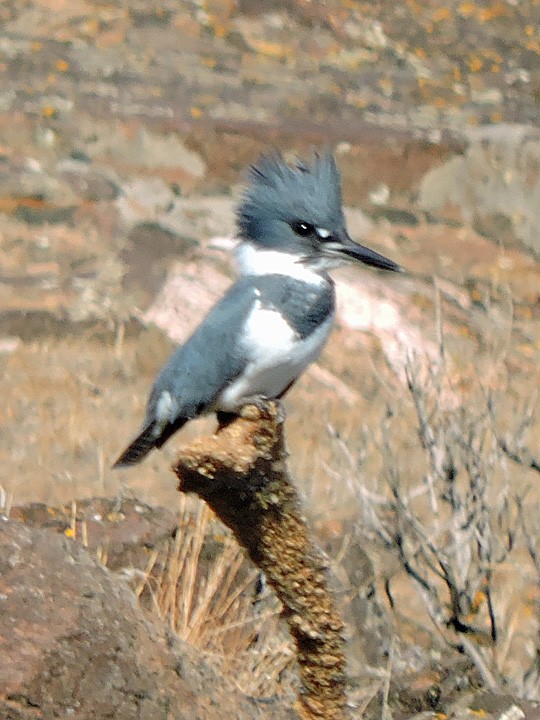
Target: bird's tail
139 448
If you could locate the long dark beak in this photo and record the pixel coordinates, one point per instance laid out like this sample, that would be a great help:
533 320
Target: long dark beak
345 247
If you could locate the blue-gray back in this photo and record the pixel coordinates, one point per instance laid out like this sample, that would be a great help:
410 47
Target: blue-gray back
197 371
213 356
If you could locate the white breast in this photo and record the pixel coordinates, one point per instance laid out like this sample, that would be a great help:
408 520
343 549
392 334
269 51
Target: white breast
277 356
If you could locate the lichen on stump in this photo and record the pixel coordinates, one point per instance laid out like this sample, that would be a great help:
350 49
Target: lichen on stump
241 473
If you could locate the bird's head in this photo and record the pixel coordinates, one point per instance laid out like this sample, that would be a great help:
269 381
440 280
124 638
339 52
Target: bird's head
297 209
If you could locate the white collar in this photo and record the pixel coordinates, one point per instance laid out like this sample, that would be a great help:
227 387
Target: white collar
256 261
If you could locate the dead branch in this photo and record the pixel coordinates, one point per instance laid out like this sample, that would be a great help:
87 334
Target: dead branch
241 473
521 457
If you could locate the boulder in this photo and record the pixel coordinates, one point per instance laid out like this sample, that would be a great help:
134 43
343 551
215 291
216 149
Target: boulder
495 184
74 642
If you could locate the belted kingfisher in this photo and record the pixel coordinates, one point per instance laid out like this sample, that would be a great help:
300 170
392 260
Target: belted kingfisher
274 321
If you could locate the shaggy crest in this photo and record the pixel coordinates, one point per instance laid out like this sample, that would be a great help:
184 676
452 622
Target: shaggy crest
279 191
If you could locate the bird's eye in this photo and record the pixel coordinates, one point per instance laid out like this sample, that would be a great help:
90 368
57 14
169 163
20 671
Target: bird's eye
302 228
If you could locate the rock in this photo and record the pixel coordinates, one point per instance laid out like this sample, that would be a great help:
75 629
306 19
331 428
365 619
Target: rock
378 306
26 177
74 642
494 706
38 214
188 293
167 151
136 146
396 216
144 199
151 245
205 216
358 223
123 534
89 183
495 184
163 269
157 240
149 204
58 280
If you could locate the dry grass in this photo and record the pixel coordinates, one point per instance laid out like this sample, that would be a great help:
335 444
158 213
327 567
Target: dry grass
213 598
6 502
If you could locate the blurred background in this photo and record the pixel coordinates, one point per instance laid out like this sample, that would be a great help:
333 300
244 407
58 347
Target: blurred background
125 132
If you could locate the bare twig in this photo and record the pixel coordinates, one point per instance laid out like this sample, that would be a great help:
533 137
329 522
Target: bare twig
385 714
452 548
521 457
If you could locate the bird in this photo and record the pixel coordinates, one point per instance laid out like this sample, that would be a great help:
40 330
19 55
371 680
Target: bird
275 319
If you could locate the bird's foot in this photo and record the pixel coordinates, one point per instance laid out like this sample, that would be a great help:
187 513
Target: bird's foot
225 418
254 410
262 407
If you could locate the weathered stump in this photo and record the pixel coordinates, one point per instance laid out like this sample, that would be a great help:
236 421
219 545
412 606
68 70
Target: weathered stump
241 473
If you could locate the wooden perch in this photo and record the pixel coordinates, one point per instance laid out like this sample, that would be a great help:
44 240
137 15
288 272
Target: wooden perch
241 473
